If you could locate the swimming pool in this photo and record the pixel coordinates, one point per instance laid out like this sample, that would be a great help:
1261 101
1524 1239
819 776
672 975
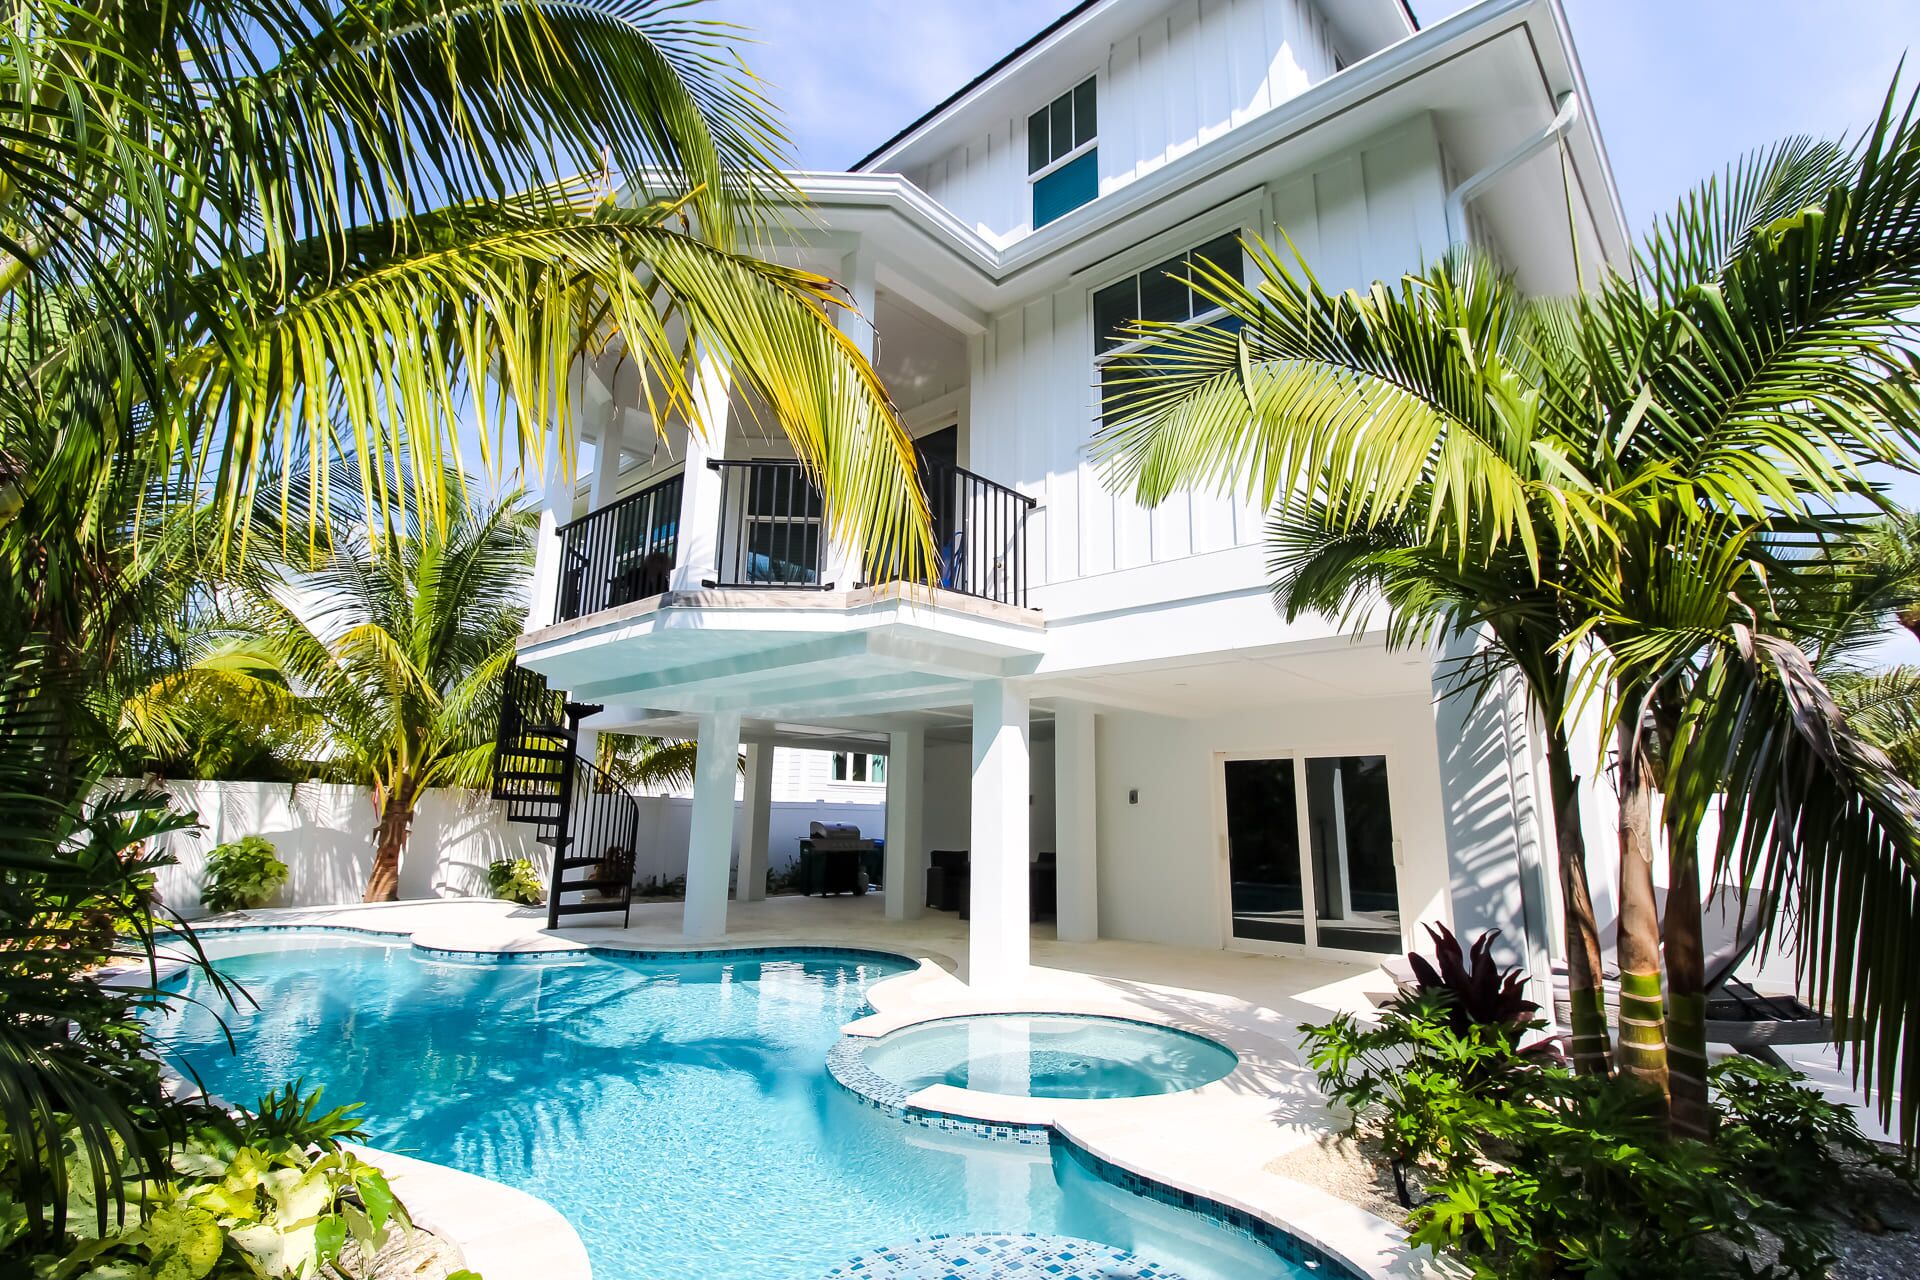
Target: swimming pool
1048 1055
677 1113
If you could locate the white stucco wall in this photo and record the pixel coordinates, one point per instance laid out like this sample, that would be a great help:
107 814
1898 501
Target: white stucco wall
1162 864
324 833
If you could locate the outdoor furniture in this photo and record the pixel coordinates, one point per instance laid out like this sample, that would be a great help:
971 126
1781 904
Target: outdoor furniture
950 884
948 880
833 859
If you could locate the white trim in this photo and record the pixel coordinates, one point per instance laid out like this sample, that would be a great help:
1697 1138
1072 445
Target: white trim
1054 166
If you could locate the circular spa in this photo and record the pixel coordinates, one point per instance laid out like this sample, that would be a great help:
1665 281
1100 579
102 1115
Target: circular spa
1048 1055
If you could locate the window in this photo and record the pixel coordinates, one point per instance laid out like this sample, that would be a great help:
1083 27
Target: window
1062 162
1159 293
858 766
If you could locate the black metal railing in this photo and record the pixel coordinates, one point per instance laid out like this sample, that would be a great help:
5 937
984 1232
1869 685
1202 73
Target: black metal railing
588 820
773 530
623 552
980 533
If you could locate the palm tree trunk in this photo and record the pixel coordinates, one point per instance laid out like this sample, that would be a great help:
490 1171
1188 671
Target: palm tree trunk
1586 997
1643 1032
1686 990
395 806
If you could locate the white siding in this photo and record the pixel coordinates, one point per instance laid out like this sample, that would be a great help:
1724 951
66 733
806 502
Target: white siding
1373 214
1201 68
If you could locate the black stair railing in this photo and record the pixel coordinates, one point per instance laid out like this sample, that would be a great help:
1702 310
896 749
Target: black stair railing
586 818
623 552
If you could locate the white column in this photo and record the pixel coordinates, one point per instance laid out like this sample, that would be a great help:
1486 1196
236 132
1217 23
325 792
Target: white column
1075 839
998 932
846 566
556 509
755 810
906 871
700 491
710 842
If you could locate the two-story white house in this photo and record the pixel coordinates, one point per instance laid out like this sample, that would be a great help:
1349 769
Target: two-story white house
1098 702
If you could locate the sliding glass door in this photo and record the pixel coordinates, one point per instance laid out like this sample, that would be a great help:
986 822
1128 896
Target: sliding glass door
1344 892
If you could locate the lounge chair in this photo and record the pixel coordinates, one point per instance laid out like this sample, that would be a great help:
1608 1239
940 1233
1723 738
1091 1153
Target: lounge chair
1737 1015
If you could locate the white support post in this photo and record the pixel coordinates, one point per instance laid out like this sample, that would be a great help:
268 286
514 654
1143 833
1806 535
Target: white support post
701 490
756 810
998 934
906 868
710 842
846 565
1076 835
556 509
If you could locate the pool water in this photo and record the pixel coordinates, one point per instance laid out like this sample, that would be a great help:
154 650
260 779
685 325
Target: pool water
1049 1056
679 1115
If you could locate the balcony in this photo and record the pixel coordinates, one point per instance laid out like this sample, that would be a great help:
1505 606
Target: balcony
772 536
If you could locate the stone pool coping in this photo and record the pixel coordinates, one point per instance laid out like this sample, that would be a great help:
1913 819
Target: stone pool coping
1210 1148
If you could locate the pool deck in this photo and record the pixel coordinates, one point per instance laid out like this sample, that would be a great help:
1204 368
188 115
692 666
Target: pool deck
1257 1140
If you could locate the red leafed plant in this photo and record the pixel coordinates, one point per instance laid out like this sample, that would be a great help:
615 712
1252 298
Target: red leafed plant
1481 995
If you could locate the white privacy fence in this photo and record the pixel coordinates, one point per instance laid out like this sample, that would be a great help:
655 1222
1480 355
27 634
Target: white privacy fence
324 833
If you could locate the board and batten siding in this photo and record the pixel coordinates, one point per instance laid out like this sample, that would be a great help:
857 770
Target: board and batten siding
1375 213
1198 70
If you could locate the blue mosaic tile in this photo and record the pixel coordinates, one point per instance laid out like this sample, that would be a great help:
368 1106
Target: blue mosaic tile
1000 1257
846 1063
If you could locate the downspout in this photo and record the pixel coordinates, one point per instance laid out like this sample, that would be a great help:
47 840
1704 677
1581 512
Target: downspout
1569 111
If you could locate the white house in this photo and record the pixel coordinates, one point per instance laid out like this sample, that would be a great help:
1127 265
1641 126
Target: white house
1096 686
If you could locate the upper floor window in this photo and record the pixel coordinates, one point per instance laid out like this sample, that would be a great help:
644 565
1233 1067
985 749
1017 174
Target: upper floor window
1158 293
1062 161
858 766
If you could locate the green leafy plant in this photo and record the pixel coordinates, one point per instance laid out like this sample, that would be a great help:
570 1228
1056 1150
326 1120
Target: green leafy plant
238 1199
515 880
242 873
1525 1169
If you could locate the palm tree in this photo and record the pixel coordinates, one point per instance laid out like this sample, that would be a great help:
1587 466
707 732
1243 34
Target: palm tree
394 659
1664 431
246 238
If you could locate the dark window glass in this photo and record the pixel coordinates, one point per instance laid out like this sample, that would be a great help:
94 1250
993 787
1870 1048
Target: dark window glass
1224 253
785 553
1263 851
1163 292
1356 890
1054 130
782 491
1062 127
1113 307
1084 118
839 766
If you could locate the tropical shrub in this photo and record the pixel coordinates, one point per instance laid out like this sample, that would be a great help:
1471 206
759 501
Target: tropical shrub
514 880
1519 1167
271 1193
242 873
1478 993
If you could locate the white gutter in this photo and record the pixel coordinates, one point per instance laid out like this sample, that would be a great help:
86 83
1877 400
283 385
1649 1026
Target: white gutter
1457 198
